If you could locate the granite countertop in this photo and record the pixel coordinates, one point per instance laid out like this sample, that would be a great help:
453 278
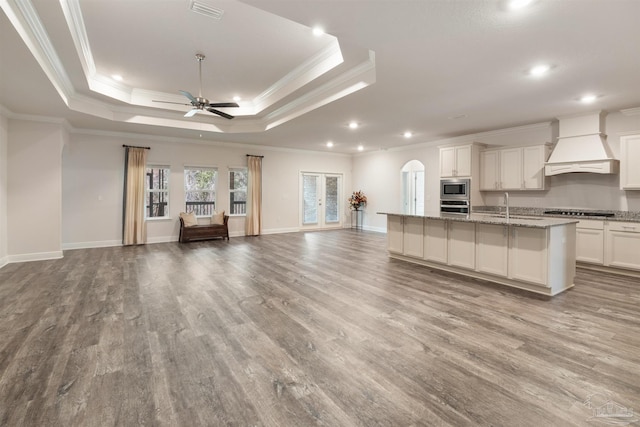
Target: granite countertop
621 216
494 218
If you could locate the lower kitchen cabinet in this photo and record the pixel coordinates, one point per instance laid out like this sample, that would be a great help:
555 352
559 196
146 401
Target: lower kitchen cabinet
435 240
395 233
462 244
413 242
622 245
528 255
590 241
492 249
519 253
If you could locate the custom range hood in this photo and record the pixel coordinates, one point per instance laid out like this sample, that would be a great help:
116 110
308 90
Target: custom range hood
581 147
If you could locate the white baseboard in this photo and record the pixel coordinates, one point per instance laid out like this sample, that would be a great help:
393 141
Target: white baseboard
4 261
40 256
89 245
163 239
281 230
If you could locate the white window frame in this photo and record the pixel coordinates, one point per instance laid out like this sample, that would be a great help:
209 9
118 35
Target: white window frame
147 191
235 190
215 188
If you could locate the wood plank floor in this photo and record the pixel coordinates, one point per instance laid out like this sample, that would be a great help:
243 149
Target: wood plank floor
304 329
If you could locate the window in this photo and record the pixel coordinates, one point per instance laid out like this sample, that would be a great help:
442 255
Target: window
157 192
200 190
238 191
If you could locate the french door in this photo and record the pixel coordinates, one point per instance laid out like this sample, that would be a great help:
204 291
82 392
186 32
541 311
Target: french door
321 200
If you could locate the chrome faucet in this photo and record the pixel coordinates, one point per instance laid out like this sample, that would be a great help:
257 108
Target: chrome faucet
506 204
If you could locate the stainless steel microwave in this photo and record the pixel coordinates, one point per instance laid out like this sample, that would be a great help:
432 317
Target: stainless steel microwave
454 189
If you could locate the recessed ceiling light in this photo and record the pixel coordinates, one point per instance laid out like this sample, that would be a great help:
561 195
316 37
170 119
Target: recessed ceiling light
408 134
539 70
317 31
353 125
360 147
117 77
237 98
588 99
329 144
519 4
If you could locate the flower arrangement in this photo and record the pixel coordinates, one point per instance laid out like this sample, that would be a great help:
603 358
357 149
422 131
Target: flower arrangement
357 199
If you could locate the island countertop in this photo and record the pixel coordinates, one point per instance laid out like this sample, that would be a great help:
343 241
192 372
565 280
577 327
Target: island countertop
492 218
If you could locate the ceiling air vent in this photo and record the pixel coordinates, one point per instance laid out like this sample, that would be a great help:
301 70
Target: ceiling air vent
202 8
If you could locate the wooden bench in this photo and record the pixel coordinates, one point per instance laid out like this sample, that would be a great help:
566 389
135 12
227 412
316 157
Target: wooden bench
203 232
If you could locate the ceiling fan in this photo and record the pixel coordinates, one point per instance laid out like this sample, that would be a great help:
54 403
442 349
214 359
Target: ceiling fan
199 103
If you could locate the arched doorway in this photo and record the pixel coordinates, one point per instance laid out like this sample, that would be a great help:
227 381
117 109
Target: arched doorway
413 188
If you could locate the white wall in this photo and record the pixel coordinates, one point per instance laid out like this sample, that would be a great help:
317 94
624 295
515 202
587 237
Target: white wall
4 143
378 175
34 184
93 184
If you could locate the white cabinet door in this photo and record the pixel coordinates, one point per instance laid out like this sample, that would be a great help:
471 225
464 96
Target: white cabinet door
528 255
435 240
492 248
447 162
533 159
511 169
630 162
395 233
462 244
590 241
413 241
489 170
623 245
455 161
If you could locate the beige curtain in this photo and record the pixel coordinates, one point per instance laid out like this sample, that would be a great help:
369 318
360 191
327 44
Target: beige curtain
135 229
254 196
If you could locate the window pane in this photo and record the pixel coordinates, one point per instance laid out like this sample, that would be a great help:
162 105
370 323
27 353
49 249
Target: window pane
159 205
200 190
238 179
199 179
331 199
157 191
238 191
310 195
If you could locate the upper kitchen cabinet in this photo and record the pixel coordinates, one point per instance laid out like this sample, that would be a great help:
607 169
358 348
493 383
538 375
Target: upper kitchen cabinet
630 162
520 168
458 161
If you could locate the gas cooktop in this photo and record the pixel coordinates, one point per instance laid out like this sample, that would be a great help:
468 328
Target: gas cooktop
579 213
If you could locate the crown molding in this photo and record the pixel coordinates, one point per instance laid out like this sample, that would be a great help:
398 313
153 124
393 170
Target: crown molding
203 141
27 23
631 111
327 59
353 80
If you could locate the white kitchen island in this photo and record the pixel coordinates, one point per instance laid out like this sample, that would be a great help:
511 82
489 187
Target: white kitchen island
535 254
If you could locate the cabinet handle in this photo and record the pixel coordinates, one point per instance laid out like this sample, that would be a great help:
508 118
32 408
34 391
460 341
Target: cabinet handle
504 231
629 227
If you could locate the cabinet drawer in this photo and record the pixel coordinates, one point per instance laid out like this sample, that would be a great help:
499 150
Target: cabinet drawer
629 227
592 224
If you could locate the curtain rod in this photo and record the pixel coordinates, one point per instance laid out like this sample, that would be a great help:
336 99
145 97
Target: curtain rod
133 146
252 155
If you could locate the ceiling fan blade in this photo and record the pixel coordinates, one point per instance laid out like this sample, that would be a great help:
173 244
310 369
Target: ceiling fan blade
188 95
223 104
220 113
191 113
169 102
